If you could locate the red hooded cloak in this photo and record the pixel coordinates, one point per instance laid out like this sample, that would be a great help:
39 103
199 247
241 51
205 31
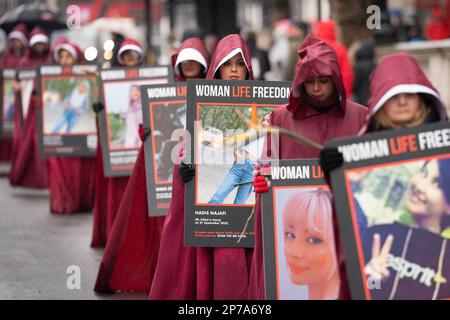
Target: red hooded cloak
71 181
197 272
316 58
131 253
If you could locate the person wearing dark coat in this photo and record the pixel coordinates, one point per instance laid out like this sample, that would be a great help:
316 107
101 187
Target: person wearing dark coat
364 65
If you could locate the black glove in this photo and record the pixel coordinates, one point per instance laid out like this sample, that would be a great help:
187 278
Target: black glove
187 172
330 159
98 106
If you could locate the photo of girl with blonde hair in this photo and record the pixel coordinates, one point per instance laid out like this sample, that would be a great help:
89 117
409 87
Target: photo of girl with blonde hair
306 245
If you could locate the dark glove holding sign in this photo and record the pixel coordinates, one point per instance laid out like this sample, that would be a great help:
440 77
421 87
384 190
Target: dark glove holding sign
187 172
330 159
98 107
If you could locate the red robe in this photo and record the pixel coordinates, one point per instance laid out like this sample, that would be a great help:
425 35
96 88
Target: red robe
28 168
108 194
346 119
197 272
132 250
71 180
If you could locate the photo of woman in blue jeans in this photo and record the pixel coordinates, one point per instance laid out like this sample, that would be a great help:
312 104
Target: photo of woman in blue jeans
241 173
74 105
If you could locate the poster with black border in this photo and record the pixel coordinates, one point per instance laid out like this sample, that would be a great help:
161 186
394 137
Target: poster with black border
393 198
120 94
66 121
26 78
225 123
300 260
8 77
164 112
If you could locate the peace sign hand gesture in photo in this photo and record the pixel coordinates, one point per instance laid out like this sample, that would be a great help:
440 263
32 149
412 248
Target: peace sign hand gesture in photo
377 266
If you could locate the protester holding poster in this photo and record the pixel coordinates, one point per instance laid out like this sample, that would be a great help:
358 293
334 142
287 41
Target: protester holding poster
319 110
71 179
130 257
403 97
17 48
208 273
109 191
28 168
39 51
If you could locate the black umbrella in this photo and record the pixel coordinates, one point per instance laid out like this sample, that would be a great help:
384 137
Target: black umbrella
47 16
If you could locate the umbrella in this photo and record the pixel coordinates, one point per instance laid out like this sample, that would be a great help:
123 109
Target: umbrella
47 16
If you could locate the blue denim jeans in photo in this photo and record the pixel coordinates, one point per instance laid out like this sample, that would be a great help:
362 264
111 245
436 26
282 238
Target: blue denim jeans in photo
70 116
239 172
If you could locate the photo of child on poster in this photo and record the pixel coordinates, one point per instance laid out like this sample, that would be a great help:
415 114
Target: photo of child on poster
236 151
67 105
124 112
166 119
305 245
406 208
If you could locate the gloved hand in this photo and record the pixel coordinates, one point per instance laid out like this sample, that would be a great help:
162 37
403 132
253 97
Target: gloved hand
260 183
330 159
143 132
98 106
187 172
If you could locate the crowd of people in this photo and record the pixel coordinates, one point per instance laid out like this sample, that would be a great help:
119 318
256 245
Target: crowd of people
145 253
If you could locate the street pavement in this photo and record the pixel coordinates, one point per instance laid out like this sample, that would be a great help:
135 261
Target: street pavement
45 256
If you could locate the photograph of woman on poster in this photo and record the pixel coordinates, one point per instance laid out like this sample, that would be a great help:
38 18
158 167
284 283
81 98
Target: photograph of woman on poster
240 174
76 104
425 220
307 243
133 118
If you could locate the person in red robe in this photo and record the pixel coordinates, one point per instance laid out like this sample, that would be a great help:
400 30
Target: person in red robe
28 169
17 48
401 96
326 31
132 250
318 109
109 191
71 181
198 272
